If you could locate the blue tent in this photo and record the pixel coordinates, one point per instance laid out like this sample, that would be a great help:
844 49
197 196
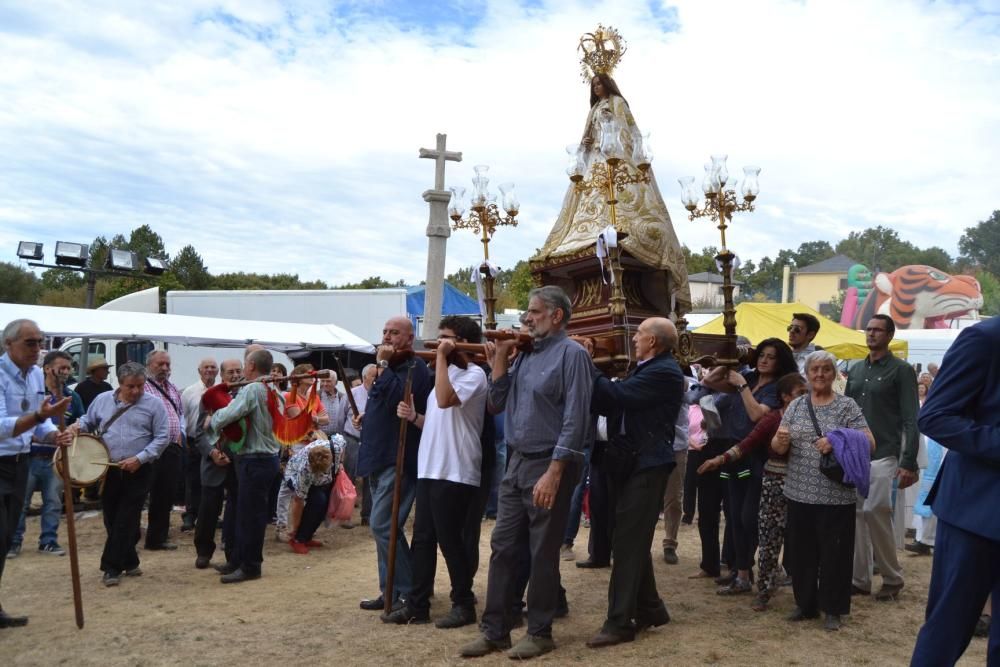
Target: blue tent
455 302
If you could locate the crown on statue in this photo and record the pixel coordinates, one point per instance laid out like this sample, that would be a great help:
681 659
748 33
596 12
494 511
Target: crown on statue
601 51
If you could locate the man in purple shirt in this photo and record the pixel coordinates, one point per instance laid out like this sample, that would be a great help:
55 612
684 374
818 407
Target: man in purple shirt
168 469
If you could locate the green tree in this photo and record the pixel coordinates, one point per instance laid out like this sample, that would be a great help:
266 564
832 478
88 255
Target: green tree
373 282
811 252
768 276
702 262
516 286
18 285
990 285
934 256
981 244
880 249
99 252
147 243
57 279
462 281
189 270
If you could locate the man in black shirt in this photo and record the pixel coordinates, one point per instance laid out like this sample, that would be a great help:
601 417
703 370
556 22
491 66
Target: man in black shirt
96 382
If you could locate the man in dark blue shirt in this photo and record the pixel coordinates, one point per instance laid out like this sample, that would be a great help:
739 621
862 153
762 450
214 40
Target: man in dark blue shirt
379 442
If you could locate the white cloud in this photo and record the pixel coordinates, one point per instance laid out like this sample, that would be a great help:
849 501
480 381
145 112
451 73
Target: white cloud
279 137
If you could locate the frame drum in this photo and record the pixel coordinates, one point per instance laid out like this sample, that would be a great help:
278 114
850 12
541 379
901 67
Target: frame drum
88 459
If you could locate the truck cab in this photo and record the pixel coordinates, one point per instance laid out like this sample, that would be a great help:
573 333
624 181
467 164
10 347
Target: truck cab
115 352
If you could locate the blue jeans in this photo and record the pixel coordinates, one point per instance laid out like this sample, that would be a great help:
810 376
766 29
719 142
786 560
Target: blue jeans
382 483
576 502
498 473
42 477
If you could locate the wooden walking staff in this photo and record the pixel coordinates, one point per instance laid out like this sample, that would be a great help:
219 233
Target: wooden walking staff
397 490
347 390
74 561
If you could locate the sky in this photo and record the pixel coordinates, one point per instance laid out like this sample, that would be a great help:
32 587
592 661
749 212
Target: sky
284 136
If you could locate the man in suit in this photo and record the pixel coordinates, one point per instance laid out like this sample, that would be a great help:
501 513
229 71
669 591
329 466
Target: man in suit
641 411
962 413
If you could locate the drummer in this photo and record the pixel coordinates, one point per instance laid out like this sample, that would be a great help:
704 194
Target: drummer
134 426
24 416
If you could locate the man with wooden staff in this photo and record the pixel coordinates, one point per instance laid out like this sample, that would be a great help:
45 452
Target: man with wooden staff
134 426
256 468
546 395
380 428
24 416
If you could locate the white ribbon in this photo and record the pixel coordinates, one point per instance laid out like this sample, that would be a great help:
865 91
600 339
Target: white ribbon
607 239
477 276
736 263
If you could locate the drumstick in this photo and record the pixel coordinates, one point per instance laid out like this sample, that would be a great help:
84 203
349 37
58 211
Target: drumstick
106 463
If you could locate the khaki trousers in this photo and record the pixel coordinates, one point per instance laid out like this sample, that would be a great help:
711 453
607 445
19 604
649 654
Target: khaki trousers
873 534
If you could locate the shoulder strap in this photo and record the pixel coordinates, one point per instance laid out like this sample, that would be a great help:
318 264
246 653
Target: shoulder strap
122 410
166 396
812 415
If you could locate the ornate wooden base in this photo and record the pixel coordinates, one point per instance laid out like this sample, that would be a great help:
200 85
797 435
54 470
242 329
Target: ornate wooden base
605 309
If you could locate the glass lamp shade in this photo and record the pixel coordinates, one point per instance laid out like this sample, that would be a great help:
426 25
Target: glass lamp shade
509 199
719 167
750 186
710 184
611 142
456 207
642 154
480 192
576 165
688 196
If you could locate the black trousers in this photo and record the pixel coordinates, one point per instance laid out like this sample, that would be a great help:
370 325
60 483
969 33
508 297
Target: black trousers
254 477
820 542
442 509
317 501
632 590
690 484
545 529
13 483
166 473
475 510
192 484
709 487
602 509
121 503
744 505
212 498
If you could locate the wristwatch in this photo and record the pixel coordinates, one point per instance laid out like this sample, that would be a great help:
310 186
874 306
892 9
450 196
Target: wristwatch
741 387
383 364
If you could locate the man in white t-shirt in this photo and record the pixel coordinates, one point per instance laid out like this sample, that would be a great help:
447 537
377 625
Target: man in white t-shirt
449 463
208 370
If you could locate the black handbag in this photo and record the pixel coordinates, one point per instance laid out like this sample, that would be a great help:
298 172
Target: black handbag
828 463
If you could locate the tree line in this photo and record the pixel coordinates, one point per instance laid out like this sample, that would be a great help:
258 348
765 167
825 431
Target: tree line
878 248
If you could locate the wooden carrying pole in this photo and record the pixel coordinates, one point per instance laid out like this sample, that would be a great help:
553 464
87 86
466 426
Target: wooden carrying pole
396 491
74 561
342 375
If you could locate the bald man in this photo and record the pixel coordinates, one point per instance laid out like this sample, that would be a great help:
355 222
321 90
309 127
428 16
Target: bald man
208 370
379 441
641 411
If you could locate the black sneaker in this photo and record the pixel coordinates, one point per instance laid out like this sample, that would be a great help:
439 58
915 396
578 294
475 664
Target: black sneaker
111 579
226 568
406 615
51 549
456 618
14 551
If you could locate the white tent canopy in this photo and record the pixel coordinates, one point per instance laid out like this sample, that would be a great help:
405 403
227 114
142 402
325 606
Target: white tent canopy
184 329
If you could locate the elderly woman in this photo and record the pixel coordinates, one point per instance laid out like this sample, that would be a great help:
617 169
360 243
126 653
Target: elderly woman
305 490
820 511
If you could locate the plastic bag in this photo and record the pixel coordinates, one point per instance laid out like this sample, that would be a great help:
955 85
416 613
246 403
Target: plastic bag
342 497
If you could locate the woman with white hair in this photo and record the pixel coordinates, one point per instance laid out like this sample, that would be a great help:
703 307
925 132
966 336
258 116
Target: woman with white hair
820 538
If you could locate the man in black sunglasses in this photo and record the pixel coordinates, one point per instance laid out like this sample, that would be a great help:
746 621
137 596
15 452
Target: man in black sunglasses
801 333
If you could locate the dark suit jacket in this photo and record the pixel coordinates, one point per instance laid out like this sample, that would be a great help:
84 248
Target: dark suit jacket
962 413
648 401
211 474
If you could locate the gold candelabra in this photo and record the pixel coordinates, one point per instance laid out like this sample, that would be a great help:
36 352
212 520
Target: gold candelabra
719 206
483 219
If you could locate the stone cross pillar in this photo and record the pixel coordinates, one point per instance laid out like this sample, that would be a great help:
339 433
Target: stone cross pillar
438 231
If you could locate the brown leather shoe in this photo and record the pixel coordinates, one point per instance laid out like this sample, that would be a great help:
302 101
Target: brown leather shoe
607 638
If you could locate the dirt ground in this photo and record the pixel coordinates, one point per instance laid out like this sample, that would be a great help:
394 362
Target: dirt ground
306 608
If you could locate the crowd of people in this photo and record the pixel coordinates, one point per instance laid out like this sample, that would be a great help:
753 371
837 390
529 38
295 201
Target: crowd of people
809 479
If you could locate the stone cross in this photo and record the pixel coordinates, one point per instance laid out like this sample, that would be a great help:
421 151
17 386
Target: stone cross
438 232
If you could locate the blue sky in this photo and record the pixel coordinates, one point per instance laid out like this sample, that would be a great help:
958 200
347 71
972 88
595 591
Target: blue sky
283 137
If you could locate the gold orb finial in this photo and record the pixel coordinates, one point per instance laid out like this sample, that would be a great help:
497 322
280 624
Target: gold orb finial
601 51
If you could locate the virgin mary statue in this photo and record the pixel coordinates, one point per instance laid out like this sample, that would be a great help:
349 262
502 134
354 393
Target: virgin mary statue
640 216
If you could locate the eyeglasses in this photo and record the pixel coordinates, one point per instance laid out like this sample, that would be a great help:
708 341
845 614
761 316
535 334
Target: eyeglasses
794 328
33 342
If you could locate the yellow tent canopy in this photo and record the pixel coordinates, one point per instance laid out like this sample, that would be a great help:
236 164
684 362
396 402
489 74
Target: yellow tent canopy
758 321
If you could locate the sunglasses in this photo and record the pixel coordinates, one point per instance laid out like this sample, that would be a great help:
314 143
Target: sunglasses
794 328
